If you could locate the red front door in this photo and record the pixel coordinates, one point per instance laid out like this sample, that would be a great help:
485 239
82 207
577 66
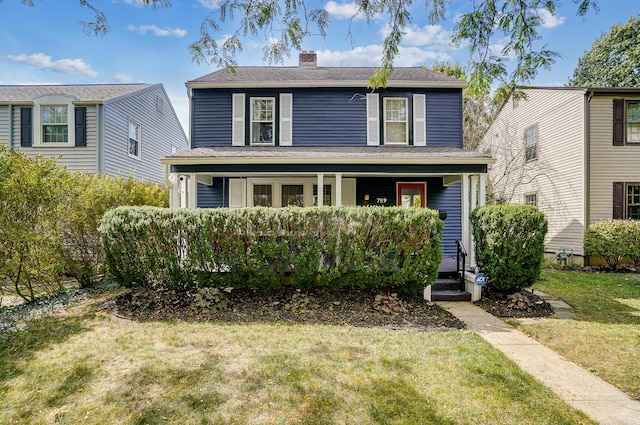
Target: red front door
411 195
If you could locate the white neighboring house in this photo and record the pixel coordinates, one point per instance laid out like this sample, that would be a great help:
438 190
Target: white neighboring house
572 152
117 129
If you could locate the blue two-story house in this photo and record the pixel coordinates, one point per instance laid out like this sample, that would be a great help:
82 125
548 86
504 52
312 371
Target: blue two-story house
309 135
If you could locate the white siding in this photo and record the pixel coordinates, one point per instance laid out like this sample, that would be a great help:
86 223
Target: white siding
74 158
557 175
608 163
4 125
160 130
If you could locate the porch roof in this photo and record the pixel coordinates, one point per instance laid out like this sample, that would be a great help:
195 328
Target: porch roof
370 155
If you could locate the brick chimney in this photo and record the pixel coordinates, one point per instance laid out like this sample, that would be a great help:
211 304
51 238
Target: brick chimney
308 59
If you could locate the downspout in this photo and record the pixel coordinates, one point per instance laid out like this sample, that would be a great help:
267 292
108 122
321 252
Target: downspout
587 167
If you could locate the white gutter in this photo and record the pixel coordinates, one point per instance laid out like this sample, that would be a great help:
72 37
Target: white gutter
327 160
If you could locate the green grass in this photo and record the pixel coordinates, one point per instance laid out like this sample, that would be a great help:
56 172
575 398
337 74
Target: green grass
604 336
93 368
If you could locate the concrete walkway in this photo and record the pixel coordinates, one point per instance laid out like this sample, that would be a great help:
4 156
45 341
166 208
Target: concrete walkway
601 401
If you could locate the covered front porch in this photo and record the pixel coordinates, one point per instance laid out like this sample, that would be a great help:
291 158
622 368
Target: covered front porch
449 180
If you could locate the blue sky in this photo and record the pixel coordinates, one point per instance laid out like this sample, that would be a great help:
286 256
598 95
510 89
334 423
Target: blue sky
45 44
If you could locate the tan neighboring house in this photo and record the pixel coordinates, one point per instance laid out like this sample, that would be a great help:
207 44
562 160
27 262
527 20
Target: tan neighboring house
572 152
117 129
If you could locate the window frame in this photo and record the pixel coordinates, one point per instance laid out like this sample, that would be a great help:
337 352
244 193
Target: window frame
628 204
44 123
273 120
385 121
529 196
131 123
270 196
531 147
627 123
38 123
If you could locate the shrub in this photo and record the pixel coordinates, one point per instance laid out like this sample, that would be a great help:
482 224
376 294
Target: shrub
266 247
49 220
614 240
509 244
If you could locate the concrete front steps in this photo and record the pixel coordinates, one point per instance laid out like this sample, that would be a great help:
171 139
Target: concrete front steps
448 286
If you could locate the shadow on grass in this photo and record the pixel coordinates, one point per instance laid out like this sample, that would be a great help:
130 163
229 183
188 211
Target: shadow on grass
18 347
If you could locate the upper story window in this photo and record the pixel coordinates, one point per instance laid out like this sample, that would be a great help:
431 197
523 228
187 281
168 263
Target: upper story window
531 199
531 143
262 120
55 124
633 122
396 123
135 133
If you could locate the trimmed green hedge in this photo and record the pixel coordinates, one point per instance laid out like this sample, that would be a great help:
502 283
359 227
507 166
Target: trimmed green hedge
614 240
266 247
509 244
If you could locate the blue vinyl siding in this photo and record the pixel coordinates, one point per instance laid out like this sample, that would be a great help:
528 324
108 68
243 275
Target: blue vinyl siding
211 118
215 196
329 118
324 117
447 199
439 198
444 118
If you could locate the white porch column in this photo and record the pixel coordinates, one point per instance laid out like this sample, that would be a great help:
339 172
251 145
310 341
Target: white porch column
174 192
320 190
182 191
466 228
338 189
192 191
482 195
474 204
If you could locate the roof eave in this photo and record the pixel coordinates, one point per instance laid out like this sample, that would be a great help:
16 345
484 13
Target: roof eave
320 83
328 160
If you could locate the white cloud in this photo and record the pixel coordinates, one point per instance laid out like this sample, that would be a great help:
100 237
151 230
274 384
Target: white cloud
65 66
429 35
210 4
121 77
372 55
344 10
157 31
548 20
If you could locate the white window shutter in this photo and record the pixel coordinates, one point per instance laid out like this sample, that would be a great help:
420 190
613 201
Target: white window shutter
373 116
286 112
419 120
237 193
237 136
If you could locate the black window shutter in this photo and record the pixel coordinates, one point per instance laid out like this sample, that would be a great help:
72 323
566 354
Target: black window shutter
81 125
26 130
618 122
618 200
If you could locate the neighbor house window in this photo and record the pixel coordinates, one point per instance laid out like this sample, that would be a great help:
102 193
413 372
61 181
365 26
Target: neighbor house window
633 122
292 195
531 143
55 124
396 123
326 195
134 139
262 120
531 199
262 195
633 201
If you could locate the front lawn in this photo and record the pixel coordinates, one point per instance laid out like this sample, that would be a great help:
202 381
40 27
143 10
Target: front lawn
604 335
91 367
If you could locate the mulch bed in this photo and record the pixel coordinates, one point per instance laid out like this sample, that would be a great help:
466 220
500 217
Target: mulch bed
519 305
379 309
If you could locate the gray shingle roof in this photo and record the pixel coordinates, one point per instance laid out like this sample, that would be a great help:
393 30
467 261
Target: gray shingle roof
323 75
85 93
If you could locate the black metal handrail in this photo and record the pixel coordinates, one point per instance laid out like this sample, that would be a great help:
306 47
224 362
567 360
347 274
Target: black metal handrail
461 258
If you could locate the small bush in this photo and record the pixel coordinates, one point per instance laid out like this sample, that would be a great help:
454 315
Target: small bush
266 247
614 240
509 244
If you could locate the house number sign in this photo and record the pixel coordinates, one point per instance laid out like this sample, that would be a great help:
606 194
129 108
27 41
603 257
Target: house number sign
381 200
